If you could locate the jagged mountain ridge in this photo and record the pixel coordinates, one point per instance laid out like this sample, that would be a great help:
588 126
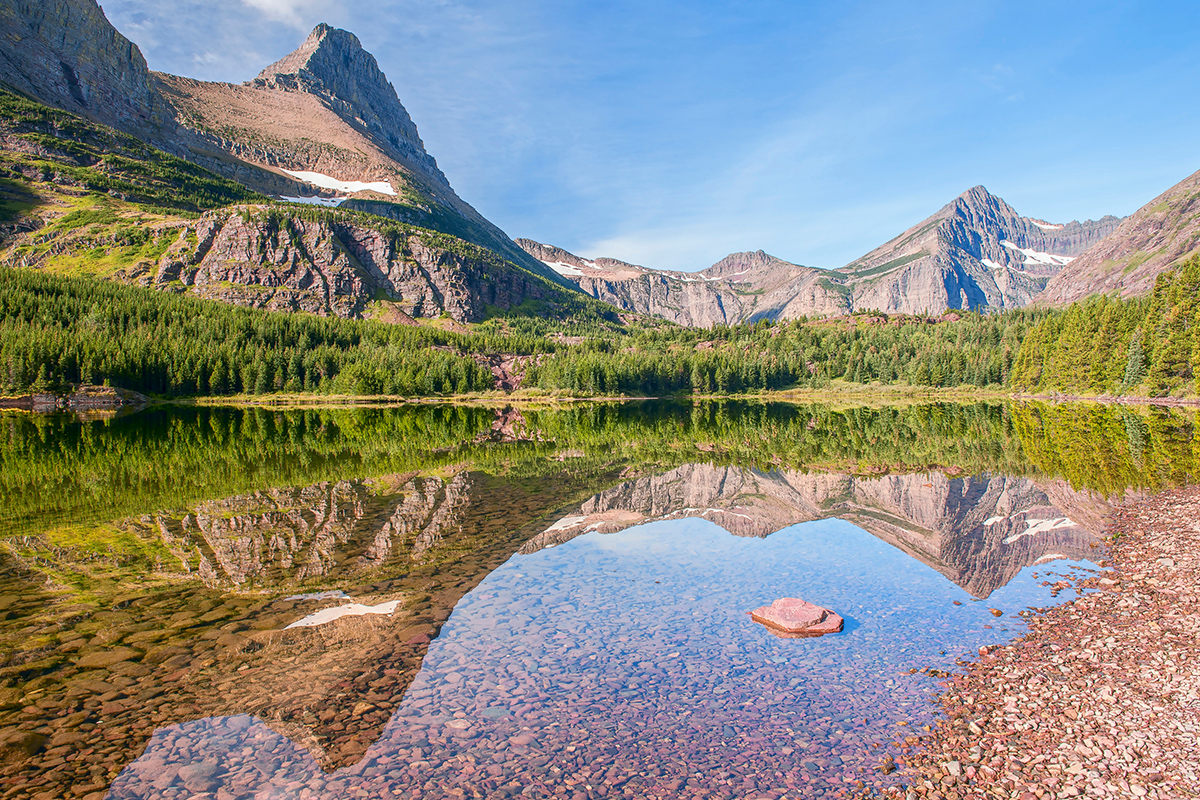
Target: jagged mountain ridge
1155 238
326 108
741 287
974 253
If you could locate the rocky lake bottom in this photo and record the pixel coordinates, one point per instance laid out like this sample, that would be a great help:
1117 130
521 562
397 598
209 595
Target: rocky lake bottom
627 663
467 602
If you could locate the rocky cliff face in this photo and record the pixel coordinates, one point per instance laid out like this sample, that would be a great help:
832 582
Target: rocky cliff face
977 531
66 53
976 252
337 265
1158 236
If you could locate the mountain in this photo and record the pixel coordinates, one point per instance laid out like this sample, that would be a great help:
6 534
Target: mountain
740 287
321 126
1156 237
67 54
77 197
975 253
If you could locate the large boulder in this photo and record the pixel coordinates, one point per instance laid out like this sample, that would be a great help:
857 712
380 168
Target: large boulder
792 618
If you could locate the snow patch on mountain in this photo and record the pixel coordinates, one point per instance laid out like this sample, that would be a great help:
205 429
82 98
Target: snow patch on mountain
1035 257
566 269
327 182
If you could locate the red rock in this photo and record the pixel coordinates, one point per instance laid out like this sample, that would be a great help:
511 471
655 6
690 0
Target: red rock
791 617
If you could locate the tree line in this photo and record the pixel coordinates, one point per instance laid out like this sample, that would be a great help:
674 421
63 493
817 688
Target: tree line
1144 345
56 331
976 350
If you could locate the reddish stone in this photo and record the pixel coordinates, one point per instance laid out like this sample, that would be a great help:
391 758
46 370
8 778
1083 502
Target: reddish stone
791 617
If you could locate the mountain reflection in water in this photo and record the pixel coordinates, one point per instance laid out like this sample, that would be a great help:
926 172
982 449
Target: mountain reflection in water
154 561
628 662
979 531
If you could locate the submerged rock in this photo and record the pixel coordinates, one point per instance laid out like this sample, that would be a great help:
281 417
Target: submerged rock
792 617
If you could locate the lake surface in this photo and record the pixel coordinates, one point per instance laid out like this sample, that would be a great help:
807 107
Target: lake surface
557 598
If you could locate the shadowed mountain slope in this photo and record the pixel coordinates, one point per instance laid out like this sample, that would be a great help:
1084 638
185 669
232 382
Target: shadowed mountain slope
1158 236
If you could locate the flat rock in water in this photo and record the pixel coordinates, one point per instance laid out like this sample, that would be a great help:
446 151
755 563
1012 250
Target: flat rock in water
793 617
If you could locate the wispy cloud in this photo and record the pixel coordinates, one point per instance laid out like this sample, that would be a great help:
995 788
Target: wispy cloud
296 13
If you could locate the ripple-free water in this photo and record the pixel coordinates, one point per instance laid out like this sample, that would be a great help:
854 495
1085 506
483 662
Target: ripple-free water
627 665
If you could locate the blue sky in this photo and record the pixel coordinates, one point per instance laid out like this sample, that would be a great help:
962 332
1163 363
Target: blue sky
673 133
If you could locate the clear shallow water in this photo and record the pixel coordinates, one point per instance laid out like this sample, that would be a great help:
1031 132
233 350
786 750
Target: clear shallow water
150 565
626 664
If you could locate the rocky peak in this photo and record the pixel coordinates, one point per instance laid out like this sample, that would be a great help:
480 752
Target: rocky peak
990 219
979 201
332 64
549 253
743 263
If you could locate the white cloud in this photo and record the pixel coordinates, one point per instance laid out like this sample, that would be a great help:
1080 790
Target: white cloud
293 12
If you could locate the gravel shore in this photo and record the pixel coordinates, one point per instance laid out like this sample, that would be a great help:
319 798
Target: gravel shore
1102 697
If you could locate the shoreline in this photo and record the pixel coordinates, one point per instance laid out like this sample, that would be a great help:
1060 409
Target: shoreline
1101 698
104 398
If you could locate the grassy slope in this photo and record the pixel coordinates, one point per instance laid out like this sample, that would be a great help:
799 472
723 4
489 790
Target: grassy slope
93 202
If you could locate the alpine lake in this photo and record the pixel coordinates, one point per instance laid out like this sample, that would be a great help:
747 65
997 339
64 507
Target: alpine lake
440 601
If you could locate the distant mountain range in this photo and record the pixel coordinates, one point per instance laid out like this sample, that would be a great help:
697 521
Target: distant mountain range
975 253
323 127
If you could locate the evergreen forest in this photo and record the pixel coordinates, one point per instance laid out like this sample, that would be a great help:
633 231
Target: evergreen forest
58 331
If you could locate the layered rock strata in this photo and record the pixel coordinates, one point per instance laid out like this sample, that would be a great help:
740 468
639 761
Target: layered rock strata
336 266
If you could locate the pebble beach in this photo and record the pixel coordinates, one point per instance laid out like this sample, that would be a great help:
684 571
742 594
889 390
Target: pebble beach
1101 698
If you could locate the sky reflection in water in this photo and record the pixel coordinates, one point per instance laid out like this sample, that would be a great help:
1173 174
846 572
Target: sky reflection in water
627 662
